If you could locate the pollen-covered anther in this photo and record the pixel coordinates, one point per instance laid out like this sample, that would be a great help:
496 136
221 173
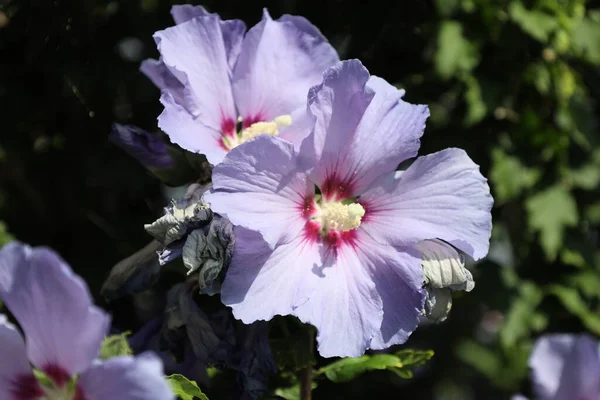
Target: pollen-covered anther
265 128
340 217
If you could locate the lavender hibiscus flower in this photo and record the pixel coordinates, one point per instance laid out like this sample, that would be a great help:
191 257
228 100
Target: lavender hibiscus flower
565 367
212 77
63 332
344 258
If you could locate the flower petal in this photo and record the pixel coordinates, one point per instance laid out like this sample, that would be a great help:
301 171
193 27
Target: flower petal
189 132
196 53
581 372
398 279
149 149
17 381
339 299
363 129
163 78
280 60
184 12
258 186
442 195
63 330
547 362
126 378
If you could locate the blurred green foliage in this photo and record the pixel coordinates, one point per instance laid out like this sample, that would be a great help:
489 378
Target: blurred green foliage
515 83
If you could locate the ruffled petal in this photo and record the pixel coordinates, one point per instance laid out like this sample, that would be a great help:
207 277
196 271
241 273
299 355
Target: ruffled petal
280 60
17 381
581 372
362 130
189 132
258 186
126 378
196 53
442 195
63 330
338 298
184 12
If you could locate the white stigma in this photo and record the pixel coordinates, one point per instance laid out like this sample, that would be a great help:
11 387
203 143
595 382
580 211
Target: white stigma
340 217
270 128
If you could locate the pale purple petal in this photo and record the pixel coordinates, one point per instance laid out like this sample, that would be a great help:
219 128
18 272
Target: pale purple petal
195 53
547 363
63 330
190 132
258 186
519 397
299 129
338 298
126 378
441 195
184 12
581 372
398 278
363 130
280 60
163 78
17 381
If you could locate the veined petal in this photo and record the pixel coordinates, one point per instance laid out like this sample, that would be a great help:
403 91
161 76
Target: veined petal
63 330
398 278
363 130
17 381
126 378
339 299
190 132
260 282
581 371
441 195
280 60
195 52
259 187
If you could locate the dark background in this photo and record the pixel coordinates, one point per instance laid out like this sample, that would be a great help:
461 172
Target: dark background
515 84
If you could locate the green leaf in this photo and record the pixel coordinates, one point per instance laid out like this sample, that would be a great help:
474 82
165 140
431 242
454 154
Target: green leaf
347 369
586 177
539 75
446 7
593 213
509 176
291 391
454 52
400 363
5 236
184 388
549 213
585 40
519 320
537 24
476 106
572 301
115 345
